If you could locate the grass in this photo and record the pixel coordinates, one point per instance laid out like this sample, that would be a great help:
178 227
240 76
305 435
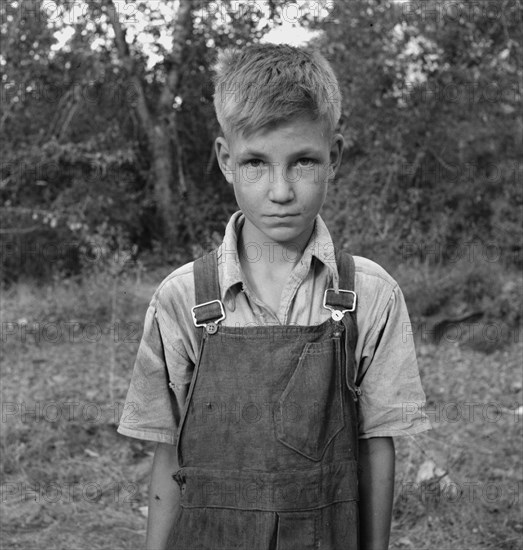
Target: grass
70 482
472 402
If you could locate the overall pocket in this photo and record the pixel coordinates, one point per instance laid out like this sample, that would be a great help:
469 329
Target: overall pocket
310 409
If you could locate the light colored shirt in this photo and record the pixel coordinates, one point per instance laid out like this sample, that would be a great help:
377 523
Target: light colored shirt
392 400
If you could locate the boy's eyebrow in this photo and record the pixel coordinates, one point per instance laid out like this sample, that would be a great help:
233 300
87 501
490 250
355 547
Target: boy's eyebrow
306 151
250 153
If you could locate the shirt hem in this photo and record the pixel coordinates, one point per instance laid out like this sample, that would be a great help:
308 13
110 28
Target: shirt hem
397 433
147 435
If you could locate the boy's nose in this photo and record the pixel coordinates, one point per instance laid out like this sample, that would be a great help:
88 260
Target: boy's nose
281 187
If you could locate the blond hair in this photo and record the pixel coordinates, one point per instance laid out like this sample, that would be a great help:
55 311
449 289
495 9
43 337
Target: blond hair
264 84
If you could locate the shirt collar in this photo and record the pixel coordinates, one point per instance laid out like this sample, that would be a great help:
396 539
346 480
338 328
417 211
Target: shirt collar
228 259
320 246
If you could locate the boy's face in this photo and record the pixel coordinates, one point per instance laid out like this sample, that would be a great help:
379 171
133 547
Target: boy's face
280 177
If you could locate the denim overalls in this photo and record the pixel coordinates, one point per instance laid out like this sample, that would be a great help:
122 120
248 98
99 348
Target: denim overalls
267 443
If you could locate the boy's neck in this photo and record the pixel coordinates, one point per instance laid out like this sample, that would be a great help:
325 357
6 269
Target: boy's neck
269 256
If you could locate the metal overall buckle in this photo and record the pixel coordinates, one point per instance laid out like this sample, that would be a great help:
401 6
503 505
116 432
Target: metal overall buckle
338 312
211 327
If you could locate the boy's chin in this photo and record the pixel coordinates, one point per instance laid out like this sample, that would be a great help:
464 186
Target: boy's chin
287 236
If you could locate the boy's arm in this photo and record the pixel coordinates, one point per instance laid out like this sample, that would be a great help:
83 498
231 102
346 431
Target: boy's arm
376 489
164 497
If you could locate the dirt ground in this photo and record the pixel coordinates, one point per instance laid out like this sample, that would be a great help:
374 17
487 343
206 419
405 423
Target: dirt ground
70 482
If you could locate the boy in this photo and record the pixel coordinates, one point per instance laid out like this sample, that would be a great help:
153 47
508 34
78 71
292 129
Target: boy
272 372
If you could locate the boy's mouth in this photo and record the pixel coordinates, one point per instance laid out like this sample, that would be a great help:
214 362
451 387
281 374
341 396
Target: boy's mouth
285 215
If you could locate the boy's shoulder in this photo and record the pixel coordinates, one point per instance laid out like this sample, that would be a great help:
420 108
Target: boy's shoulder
369 272
179 284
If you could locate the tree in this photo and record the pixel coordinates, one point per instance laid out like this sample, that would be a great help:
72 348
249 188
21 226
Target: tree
161 128
101 144
433 123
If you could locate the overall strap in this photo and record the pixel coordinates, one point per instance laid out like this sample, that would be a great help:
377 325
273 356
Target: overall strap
206 282
209 308
347 271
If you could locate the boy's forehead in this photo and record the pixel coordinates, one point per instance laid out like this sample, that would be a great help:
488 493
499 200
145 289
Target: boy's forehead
305 131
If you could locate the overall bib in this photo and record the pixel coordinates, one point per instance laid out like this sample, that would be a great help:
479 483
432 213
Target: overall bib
267 443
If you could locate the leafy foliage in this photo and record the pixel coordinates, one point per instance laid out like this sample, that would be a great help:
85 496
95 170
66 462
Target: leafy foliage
433 126
432 123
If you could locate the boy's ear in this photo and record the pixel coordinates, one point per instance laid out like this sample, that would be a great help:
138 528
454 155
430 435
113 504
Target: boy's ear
336 154
223 156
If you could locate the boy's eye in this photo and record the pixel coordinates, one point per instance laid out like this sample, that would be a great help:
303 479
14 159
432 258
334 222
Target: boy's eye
306 162
253 163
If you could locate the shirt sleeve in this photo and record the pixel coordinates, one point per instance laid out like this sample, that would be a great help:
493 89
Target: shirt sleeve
392 400
148 412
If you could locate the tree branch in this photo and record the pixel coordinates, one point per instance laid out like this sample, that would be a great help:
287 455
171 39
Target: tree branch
19 230
130 66
181 33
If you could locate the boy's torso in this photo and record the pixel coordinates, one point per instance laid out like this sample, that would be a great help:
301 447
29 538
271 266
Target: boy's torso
170 343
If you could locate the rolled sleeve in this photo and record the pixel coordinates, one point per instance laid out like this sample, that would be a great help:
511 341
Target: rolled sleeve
148 408
392 400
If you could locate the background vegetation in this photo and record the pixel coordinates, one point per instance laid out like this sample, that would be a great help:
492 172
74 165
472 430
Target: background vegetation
107 137
108 182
